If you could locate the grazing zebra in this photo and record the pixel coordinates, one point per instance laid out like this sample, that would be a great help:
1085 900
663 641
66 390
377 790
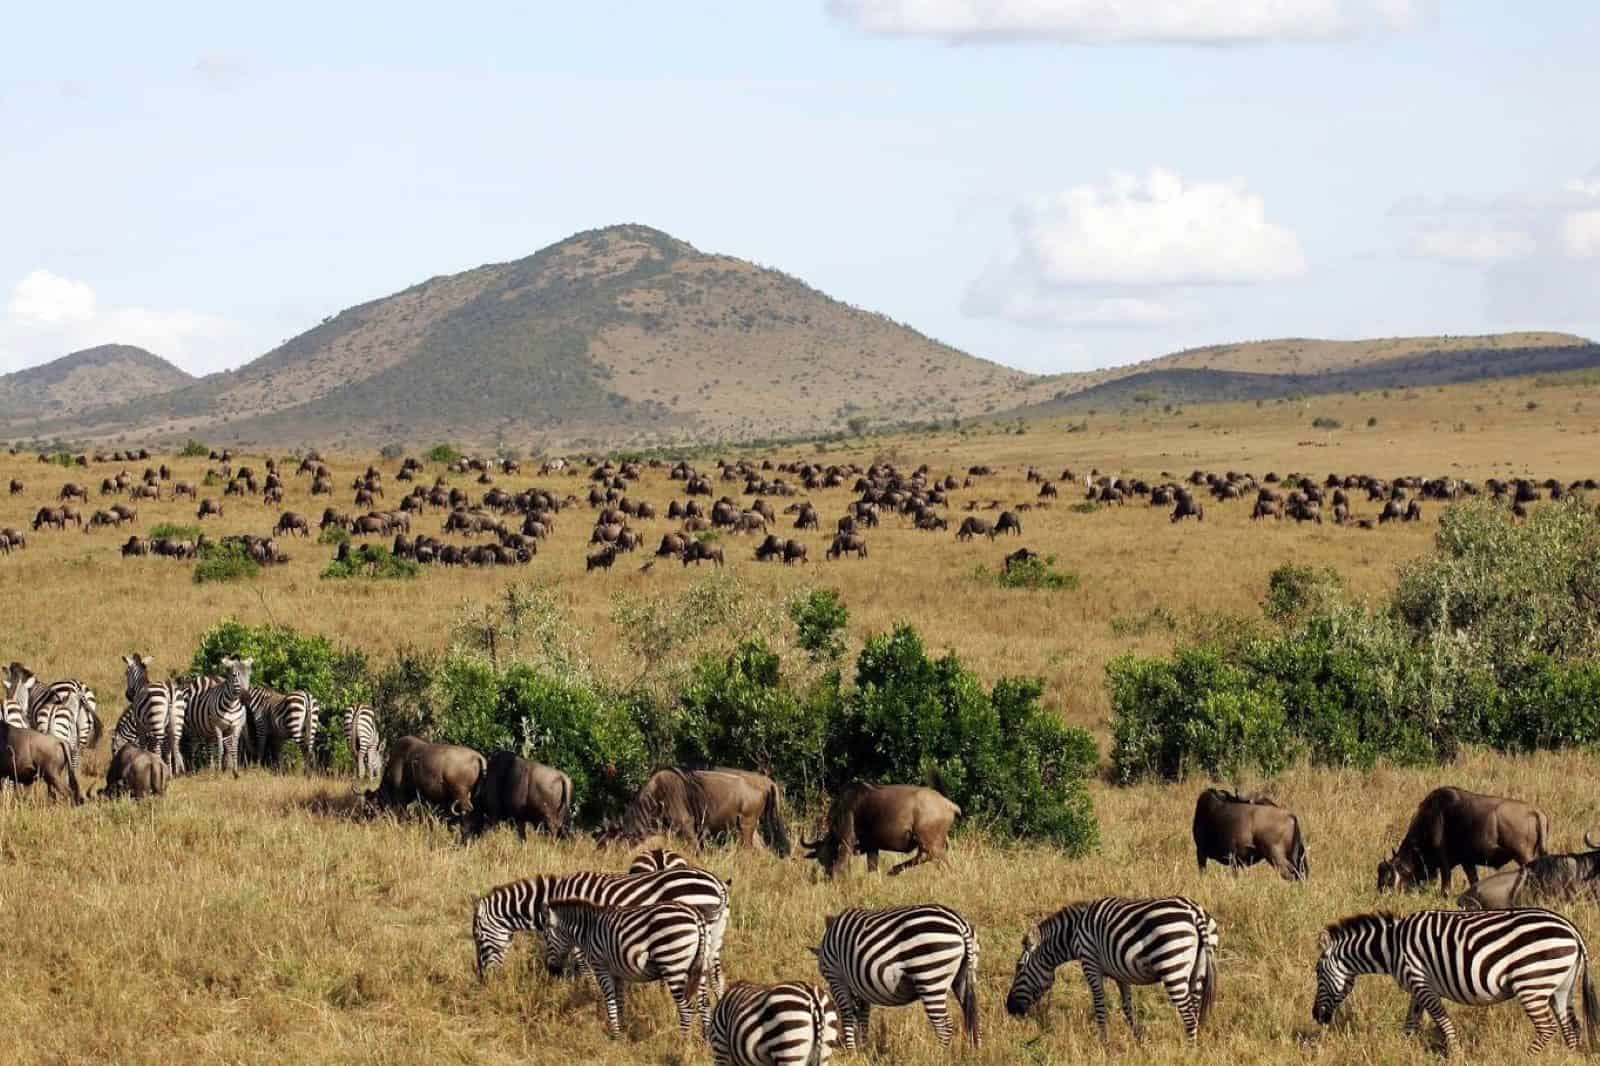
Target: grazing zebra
81 730
19 683
1469 957
157 710
214 710
647 862
519 907
896 956
366 745
276 717
666 942
791 1024
1171 941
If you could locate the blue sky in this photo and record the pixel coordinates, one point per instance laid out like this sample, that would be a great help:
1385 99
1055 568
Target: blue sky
1054 184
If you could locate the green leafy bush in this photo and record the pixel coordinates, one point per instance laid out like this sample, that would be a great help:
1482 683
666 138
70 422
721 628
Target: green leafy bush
224 562
819 617
332 535
175 531
372 561
391 452
1293 589
1030 573
194 449
442 453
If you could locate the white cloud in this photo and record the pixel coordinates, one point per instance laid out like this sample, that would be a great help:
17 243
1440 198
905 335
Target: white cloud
1130 251
1096 21
46 298
1586 188
1580 235
48 316
1472 244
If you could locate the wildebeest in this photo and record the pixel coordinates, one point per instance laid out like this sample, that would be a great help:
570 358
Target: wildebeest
1238 831
1454 827
700 804
443 775
291 522
517 790
135 772
972 526
27 755
697 551
1547 879
848 543
869 818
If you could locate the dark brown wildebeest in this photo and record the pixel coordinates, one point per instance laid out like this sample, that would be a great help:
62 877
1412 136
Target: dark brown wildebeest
972 526
291 522
527 793
208 507
671 544
806 519
870 818
1413 512
1237 831
848 543
73 491
184 488
600 560
1547 879
1391 512
135 546
16 486
27 755
442 775
697 551
1454 827
1020 557
1184 505
50 516
1008 523
793 551
697 805
769 548
135 772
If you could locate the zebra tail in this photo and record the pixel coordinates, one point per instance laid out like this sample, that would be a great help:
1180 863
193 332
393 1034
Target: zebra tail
819 1035
1205 964
700 963
967 989
772 826
1591 1007
72 773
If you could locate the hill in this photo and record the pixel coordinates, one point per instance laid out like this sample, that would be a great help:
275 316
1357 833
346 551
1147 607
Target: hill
620 335
1269 370
87 379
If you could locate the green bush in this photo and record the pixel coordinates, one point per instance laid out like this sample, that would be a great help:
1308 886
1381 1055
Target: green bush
174 531
224 562
63 458
332 535
819 617
194 449
999 755
372 561
1084 507
287 660
442 453
1293 589
1324 422
1030 573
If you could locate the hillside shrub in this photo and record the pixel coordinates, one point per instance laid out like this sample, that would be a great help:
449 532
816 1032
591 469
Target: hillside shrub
390 452
224 562
1033 573
194 449
174 531
442 453
820 618
372 561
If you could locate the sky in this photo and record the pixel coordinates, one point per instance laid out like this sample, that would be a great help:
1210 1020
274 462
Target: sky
1052 184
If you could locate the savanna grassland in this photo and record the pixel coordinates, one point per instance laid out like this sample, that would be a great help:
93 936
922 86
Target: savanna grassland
260 921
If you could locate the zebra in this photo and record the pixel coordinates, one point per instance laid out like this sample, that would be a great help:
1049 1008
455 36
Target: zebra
654 859
15 704
792 1024
520 906
1469 957
81 730
215 710
899 955
157 711
1170 941
277 716
366 745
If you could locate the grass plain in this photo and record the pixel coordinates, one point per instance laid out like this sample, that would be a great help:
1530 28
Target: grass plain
258 921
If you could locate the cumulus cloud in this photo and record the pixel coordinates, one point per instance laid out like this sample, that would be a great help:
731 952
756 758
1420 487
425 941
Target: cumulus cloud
1096 21
1131 252
47 316
1580 234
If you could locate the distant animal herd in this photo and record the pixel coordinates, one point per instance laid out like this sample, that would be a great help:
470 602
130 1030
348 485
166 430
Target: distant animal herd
664 919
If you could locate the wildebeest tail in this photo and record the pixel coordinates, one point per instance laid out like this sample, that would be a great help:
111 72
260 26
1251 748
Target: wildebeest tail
1205 963
564 829
1591 1005
1297 853
1542 829
772 824
966 987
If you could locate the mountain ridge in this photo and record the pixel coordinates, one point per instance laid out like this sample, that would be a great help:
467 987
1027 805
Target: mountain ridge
104 375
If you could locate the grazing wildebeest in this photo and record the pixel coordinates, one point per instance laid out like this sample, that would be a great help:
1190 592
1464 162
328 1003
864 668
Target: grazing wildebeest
135 772
27 755
1237 831
1454 827
1547 879
527 793
1008 522
869 818
697 551
699 804
972 526
208 507
291 522
1186 506
848 543
444 775
600 560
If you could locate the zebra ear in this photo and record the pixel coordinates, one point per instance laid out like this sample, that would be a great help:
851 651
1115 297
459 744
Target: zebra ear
1325 941
815 951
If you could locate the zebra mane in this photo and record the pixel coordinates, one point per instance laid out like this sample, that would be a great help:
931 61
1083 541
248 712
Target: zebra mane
1358 923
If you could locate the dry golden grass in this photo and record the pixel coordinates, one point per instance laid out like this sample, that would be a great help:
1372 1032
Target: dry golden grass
256 921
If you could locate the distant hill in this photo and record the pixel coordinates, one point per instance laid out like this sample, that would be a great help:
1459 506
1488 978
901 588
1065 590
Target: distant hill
1296 367
619 335
82 381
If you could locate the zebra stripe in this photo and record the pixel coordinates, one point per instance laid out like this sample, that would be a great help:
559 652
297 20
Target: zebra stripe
896 956
80 730
366 745
647 862
276 717
666 942
1170 941
791 1024
158 710
1470 957
519 907
215 711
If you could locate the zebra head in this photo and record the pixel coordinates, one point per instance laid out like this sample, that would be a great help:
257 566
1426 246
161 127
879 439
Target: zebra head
1351 947
137 673
1043 949
558 920
18 694
237 673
